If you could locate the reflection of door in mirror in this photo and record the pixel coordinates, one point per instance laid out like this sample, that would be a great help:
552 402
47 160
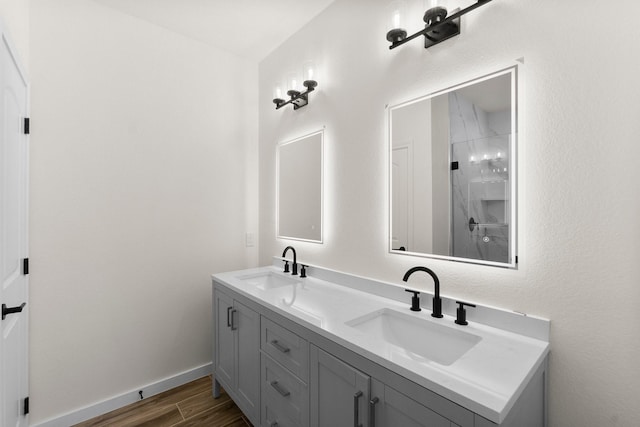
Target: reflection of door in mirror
420 213
402 197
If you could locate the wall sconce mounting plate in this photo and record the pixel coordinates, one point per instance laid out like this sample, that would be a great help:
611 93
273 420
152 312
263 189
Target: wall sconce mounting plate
441 33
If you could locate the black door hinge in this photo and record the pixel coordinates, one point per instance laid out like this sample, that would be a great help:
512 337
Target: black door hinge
26 406
454 166
25 266
26 125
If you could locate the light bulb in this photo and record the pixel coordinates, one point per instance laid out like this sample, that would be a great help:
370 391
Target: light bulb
397 15
428 4
278 93
294 83
309 75
395 18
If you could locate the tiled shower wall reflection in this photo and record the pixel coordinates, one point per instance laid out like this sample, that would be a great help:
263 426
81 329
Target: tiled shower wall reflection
480 142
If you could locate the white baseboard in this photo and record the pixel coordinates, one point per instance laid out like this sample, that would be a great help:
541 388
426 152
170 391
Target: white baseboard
125 399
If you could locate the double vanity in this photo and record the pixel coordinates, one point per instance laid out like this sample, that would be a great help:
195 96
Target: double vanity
333 349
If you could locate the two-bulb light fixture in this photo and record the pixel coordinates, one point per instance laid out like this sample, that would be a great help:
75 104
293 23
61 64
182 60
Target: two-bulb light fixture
298 97
439 24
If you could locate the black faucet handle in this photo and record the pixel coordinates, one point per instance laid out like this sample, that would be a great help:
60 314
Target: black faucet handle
461 313
303 271
286 266
415 300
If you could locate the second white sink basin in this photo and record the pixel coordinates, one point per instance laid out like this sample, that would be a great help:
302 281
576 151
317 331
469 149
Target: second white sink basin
422 337
268 280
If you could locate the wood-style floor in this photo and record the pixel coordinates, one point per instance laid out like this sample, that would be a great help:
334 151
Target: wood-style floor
191 404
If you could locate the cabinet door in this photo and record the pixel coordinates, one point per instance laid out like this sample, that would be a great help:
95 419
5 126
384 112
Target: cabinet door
390 408
339 392
224 343
246 326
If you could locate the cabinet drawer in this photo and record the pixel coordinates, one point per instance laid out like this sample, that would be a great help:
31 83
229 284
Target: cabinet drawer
401 410
286 348
286 396
273 414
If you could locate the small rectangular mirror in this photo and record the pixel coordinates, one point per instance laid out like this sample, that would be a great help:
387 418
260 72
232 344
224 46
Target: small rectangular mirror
453 172
300 188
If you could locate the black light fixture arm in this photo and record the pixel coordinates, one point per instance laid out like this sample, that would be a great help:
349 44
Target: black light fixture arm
439 25
297 99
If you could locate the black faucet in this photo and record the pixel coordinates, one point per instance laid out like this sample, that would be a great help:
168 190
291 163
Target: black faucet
437 302
294 267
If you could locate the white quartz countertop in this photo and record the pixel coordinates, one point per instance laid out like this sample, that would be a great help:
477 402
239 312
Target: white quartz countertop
487 379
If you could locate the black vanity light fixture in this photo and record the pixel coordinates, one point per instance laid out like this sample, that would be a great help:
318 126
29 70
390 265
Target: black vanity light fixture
439 26
297 96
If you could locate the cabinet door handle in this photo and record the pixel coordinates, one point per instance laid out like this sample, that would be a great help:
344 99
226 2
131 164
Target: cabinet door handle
356 416
280 347
234 311
229 316
372 411
272 424
277 387
10 310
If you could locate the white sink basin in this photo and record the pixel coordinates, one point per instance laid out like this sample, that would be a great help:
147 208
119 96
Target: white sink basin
268 280
422 337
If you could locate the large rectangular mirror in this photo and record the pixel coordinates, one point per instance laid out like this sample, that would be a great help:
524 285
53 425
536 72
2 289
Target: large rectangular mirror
453 171
299 188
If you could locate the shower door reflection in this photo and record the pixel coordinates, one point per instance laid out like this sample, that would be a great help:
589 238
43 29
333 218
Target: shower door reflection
480 199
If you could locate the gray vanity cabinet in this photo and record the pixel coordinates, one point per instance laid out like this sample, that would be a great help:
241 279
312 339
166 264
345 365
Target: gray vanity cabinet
390 408
282 373
342 395
338 392
237 352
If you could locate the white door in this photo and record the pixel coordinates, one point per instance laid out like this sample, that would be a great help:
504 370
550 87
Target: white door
13 241
401 198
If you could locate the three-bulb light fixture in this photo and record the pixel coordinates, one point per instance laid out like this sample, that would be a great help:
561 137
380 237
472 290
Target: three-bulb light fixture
439 24
297 96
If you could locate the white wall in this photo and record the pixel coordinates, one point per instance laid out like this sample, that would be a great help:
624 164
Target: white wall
15 15
144 181
579 196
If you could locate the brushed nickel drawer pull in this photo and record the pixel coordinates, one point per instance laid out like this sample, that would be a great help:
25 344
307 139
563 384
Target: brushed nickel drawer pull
356 415
229 316
279 389
372 411
280 347
233 327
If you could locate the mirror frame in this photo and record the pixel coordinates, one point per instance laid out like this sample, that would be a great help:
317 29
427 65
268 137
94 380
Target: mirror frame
515 72
278 148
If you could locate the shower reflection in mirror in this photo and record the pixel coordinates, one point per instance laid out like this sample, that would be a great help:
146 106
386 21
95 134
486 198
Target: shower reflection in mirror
453 172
